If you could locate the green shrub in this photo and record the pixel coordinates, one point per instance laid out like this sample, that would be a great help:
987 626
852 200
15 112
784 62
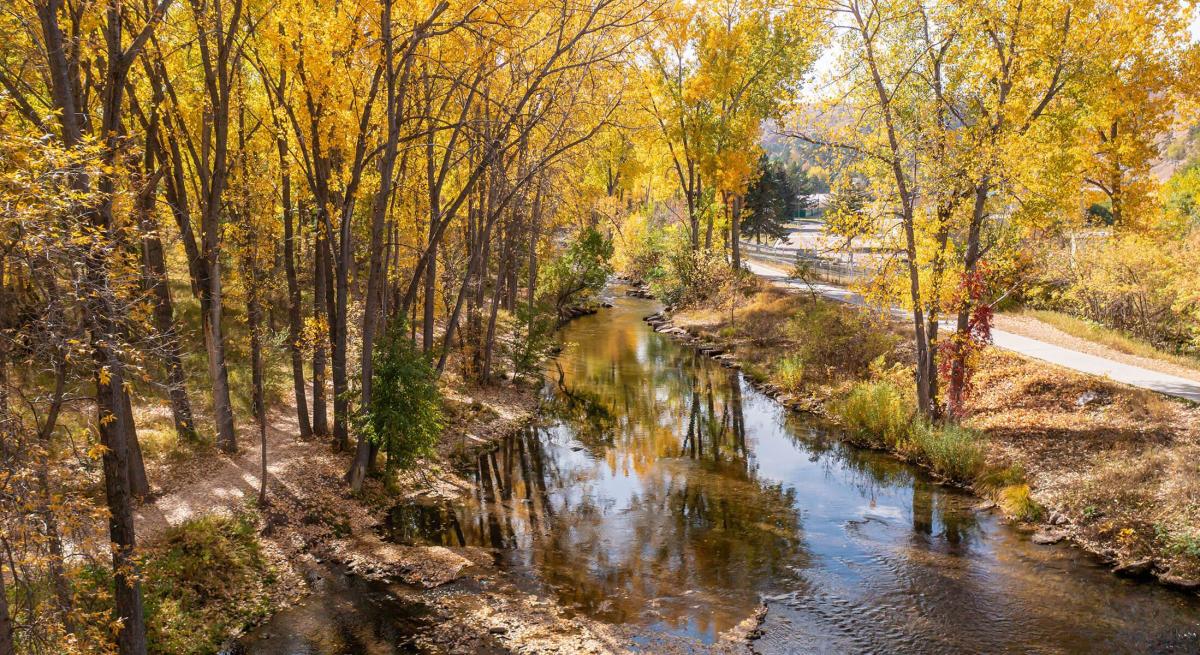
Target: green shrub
405 413
875 411
579 272
789 373
832 340
689 277
950 450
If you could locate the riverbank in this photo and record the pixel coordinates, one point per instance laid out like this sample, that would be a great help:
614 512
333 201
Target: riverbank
312 521
316 549
1108 467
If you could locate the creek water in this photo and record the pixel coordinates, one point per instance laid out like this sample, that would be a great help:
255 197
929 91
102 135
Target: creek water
662 491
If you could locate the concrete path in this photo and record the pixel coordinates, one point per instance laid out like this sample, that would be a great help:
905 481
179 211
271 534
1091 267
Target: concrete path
1134 376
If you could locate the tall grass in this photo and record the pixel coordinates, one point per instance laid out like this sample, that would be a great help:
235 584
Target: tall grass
880 414
789 373
876 412
950 450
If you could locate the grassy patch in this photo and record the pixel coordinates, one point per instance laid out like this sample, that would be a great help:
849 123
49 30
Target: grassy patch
1108 337
950 450
789 373
876 412
202 582
1017 501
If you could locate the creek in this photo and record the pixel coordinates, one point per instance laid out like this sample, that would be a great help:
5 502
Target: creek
661 491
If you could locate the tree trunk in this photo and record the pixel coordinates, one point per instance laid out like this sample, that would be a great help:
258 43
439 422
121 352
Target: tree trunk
253 318
214 343
154 273
735 233
956 391
341 403
497 292
139 484
295 324
6 627
113 427
364 454
320 419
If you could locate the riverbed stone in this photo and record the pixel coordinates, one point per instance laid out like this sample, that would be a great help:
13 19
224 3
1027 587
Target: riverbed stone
1135 568
1048 537
1179 581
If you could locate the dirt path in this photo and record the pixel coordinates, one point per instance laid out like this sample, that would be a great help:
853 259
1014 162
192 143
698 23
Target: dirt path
216 483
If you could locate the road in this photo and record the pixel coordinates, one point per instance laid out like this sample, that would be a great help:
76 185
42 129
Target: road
1134 376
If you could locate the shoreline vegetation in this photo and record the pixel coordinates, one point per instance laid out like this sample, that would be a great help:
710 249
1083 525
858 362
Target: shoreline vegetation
1064 456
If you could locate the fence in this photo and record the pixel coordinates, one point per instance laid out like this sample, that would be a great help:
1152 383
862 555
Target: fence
790 257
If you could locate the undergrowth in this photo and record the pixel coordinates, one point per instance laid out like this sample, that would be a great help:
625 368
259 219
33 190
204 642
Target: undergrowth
203 581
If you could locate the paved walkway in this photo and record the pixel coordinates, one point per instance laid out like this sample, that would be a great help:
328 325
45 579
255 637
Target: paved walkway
1134 376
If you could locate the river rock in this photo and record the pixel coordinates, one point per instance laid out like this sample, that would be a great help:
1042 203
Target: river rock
1057 518
1135 568
1047 537
1179 582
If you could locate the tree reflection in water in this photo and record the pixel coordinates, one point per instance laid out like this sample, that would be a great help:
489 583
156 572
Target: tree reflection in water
660 490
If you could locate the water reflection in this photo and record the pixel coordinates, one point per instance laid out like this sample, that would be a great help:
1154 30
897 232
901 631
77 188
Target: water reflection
661 490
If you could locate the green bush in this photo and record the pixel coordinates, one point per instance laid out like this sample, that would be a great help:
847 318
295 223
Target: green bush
405 413
877 412
950 450
691 277
832 340
579 272
200 584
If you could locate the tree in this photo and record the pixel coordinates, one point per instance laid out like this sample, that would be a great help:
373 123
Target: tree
404 416
961 118
771 201
582 269
718 70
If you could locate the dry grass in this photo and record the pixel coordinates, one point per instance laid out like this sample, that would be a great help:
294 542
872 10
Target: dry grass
1121 463
1109 338
797 341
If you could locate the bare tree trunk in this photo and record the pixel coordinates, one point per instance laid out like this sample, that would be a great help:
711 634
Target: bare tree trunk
497 292
735 233
295 325
139 484
154 273
320 420
341 403
956 391
253 316
113 427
